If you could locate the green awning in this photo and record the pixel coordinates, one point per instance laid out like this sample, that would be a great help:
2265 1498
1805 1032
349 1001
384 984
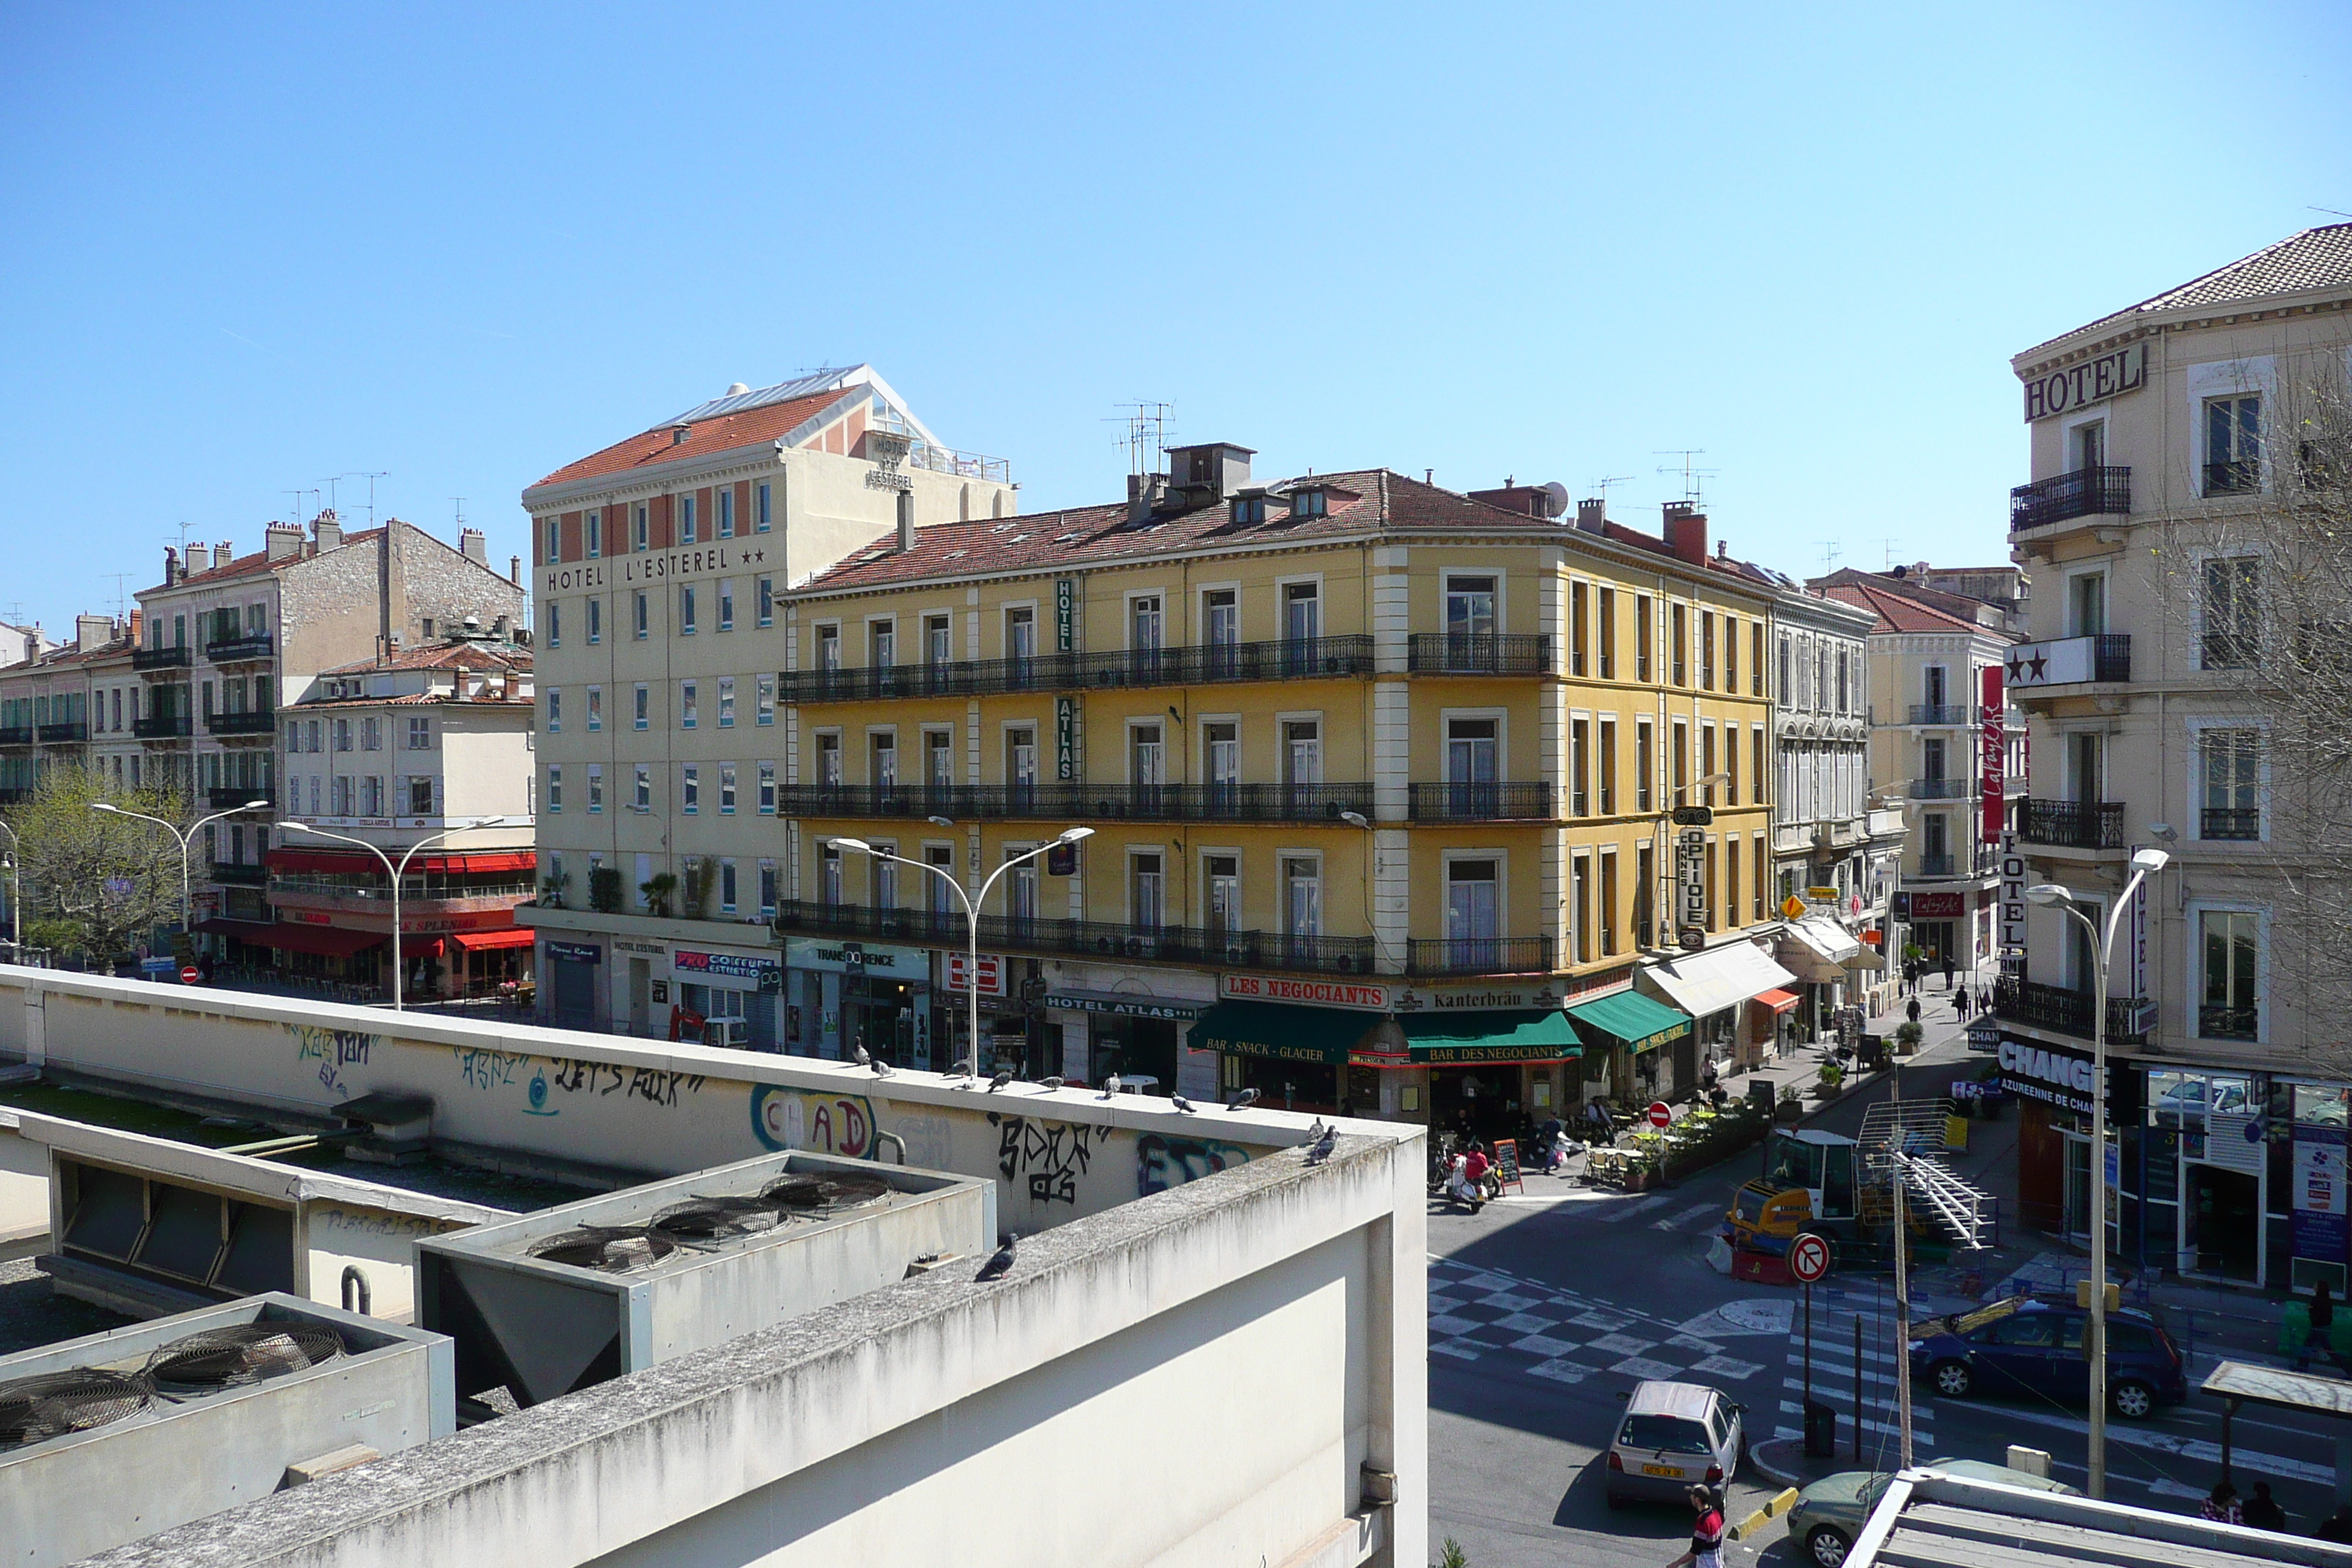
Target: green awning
1288 1034
1629 1019
1458 1039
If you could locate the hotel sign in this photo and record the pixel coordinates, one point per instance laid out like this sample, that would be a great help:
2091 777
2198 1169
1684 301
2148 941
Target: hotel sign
651 566
2093 381
2013 895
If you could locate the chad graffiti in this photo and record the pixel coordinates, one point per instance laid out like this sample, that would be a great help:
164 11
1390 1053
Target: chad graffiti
785 1117
1164 1162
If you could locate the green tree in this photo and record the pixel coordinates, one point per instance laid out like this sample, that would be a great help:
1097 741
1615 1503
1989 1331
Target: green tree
96 883
1451 1555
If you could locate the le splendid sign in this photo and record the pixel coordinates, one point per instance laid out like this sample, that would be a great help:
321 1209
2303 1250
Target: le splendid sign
655 566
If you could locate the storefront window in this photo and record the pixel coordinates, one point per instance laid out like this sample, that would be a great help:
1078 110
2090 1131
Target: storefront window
2321 1105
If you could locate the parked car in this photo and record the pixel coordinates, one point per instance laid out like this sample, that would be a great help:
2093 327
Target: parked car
1830 1512
1673 1436
2032 1346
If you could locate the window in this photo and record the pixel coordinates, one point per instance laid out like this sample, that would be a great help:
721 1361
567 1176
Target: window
690 799
726 789
2233 445
829 874
309 732
685 609
1470 606
1145 756
2226 761
2231 623
690 707
1706 768
1731 881
938 643
1680 762
371 733
942 858
1606 638
686 519
1221 617
1756 659
595 787
1605 774
1249 509
1302 612
1843 656
1020 632
727 702
2086 604
341 797
1576 595
1645 750
642 797
371 795
881 644
882 758
767 789
1302 896
555 539
1787 649
595 711
939 758
1221 743
1678 644
643 716
1579 910
595 619
641 536
1730 653
1302 747
765 699
1756 766
764 516
1705 649
768 881
1470 760
1310 503
1758 881
1730 763
1580 767
1472 911
420 795
1222 894
1644 630
1143 623
554 624
641 616
343 734
1146 890
764 593
1645 892
2229 1009
828 761
828 649
1020 758
727 604
596 520
727 512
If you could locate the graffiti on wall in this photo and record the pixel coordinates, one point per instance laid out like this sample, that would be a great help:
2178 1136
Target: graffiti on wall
1163 1163
785 1118
487 1069
333 1050
655 1086
1050 1157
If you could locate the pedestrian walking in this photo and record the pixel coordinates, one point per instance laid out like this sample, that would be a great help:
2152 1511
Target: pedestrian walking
2261 1510
1706 1532
2320 1342
1911 1010
2221 1505
1961 1001
1947 971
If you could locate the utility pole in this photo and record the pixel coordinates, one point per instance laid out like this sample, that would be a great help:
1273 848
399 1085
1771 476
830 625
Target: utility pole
1902 1278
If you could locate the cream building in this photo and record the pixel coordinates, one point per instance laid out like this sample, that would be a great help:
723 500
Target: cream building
2161 450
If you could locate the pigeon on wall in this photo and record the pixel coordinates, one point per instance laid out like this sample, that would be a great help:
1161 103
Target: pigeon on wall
1000 1264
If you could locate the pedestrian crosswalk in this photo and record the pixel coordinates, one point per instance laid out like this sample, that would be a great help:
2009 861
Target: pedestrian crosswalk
1563 1336
1875 1394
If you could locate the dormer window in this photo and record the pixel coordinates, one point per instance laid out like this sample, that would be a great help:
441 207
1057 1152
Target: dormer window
1309 503
1249 509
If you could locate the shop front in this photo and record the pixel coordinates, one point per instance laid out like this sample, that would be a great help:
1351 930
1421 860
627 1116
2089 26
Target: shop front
1132 1033
1711 987
1819 952
837 995
569 996
1492 1075
1630 1033
318 953
725 998
1299 1057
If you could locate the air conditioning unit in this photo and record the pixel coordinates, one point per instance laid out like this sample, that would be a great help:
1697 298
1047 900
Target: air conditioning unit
549 1302
109 1439
733 1032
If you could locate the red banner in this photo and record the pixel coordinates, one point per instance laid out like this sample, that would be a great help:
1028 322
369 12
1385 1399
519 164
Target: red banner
1994 761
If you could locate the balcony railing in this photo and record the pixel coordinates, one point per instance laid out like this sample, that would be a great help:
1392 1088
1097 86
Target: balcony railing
2229 1023
1084 802
2230 822
177 657
1489 801
1489 653
2067 1012
2086 492
240 649
253 722
1941 789
162 727
16 735
1479 955
1939 866
2242 476
15 794
2072 824
227 797
1943 713
1296 659
230 874
70 729
1086 939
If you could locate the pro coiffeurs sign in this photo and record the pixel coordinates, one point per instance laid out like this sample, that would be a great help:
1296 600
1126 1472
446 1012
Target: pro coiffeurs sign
2050 1073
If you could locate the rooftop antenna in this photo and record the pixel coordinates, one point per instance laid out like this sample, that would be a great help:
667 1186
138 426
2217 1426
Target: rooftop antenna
459 502
1692 475
1147 433
372 478
296 497
1830 553
1888 559
1601 487
121 599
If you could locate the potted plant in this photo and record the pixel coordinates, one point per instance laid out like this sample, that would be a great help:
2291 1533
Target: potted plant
1790 1106
552 889
604 890
1907 1038
1832 1080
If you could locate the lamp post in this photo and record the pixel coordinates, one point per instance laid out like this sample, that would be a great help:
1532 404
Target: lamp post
187 908
15 892
972 904
395 873
2052 896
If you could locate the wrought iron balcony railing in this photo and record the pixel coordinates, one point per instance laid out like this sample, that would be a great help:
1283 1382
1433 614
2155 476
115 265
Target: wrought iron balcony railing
1088 939
1296 658
2230 822
227 797
240 649
1083 802
1479 955
1487 802
162 727
1942 713
66 730
16 735
2086 492
2068 1012
1941 789
1478 653
2072 824
176 658
261 722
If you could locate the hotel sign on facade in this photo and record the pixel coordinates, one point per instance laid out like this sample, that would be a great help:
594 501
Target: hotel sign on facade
2093 381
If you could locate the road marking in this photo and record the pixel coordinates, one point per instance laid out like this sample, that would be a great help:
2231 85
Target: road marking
1639 1206
1621 1344
1647 1370
1449 1348
1725 1366
2196 1448
1684 1218
1527 1322
1561 1371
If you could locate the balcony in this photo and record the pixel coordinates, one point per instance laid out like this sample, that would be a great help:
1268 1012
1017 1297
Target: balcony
1296 658
229 874
1478 955
240 649
1491 653
1488 801
228 797
2072 824
1083 938
2067 1012
256 721
162 727
153 658
2241 477
1934 866
2086 492
2069 661
15 794
1942 714
2230 822
15 735
70 731
2229 1023
1083 802
1941 789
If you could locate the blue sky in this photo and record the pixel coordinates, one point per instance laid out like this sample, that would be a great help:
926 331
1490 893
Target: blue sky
243 252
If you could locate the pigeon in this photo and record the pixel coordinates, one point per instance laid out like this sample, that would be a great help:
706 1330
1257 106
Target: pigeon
1315 1130
1323 1146
1111 1085
999 1266
1004 1076
864 1058
1182 1104
1054 1082
1247 1097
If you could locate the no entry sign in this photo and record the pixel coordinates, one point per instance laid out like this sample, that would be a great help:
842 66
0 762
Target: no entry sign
189 976
1809 1257
1660 1113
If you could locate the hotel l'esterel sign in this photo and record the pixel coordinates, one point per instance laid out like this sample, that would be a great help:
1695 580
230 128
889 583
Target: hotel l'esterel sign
2093 381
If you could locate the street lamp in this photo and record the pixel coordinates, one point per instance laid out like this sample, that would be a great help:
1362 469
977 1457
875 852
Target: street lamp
2050 895
15 891
395 873
187 906
970 906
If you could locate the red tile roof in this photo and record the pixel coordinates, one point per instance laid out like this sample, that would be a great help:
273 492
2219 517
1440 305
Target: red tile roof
1898 614
1357 502
443 656
751 427
254 564
2316 258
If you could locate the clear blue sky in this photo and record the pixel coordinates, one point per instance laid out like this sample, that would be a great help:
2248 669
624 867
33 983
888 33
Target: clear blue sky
465 245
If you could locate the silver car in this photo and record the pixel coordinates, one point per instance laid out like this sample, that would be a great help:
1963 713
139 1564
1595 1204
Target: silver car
1674 1435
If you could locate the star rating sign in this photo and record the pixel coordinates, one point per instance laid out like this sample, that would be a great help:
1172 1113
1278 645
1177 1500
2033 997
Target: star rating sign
2016 670
2041 664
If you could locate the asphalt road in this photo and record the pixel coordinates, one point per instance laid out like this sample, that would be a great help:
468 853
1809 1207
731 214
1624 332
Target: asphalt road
1547 1308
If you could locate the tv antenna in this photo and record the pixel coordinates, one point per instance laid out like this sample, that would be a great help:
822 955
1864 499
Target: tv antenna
120 600
1831 551
371 478
1888 558
1147 433
459 502
1601 487
1693 476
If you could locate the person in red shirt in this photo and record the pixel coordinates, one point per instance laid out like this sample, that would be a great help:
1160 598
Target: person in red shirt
1474 1168
1706 1532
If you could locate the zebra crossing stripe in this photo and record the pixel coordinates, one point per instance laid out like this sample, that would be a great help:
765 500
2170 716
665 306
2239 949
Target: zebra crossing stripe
1639 1205
1684 1218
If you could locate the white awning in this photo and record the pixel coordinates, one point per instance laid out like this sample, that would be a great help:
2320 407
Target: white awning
1704 983
1817 948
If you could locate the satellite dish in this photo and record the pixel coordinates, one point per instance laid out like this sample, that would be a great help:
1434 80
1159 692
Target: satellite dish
736 389
1559 493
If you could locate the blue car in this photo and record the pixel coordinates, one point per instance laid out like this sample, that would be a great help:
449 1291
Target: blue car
2032 1346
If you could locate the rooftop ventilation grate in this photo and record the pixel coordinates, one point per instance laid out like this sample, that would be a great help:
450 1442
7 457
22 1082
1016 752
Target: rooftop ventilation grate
241 1355
605 1248
35 1409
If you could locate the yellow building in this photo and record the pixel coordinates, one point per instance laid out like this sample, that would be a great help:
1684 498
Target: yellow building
1379 776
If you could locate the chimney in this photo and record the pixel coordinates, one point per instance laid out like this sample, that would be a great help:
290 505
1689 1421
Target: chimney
906 521
514 569
329 530
92 632
223 554
1592 516
282 540
473 545
171 565
1686 532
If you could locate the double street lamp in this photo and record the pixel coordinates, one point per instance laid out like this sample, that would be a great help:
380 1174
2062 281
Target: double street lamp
2050 895
185 836
972 904
395 873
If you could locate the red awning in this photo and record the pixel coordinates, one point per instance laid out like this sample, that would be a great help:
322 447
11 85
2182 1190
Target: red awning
1776 1000
330 942
486 941
346 861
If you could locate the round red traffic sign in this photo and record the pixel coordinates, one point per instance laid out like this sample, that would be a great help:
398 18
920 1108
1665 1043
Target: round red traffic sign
1660 1113
188 976
1809 1257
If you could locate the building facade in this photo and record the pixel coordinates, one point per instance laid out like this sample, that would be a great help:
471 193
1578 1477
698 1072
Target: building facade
53 704
2167 447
